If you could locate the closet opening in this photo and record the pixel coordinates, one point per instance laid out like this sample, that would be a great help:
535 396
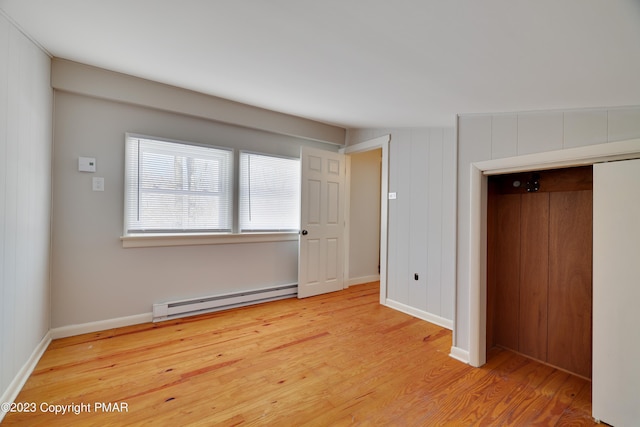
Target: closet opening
539 266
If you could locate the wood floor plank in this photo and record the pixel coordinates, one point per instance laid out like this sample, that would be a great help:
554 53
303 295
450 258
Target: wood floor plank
552 398
578 413
335 359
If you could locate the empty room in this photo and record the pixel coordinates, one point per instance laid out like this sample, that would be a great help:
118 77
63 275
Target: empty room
405 213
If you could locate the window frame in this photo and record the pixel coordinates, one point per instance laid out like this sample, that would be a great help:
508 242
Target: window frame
238 215
134 193
190 238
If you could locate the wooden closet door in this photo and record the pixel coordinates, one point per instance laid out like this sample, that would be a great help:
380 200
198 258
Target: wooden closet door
570 289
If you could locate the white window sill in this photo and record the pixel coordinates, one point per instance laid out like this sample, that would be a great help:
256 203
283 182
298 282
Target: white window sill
157 240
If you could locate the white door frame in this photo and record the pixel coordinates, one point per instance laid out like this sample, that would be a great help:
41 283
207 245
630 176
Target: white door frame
373 144
580 156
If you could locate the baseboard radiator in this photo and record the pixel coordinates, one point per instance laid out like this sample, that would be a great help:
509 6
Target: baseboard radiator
183 308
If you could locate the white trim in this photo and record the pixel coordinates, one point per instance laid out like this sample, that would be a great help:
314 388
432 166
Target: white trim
368 145
455 235
362 279
459 354
100 325
155 240
372 144
384 221
10 394
477 269
420 314
588 155
621 150
346 202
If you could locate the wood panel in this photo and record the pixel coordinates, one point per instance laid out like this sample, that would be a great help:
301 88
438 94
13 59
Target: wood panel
334 359
422 220
539 266
417 217
399 231
534 268
449 219
623 123
585 127
25 200
504 135
434 217
566 179
540 131
570 273
507 261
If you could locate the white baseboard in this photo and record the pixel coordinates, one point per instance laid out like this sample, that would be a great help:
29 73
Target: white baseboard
101 325
10 394
420 314
459 354
363 279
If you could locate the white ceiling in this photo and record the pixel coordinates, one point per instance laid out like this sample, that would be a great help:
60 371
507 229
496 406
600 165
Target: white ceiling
359 63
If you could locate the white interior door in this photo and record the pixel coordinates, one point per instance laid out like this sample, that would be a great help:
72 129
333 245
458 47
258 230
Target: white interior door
321 247
616 293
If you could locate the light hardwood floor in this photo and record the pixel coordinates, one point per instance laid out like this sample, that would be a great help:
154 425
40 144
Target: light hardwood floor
332 360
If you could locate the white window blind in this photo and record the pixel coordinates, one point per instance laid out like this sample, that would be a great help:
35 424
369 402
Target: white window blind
269 193
174 187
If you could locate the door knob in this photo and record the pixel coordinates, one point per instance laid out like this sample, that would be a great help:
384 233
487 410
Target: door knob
305 232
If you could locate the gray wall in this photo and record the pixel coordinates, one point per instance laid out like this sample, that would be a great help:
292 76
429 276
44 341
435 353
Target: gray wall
421 221
25 200
494 136
74 77
93 277
364 216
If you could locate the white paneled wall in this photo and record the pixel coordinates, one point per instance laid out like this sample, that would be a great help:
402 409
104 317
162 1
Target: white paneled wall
421 229
515 134
25 201
494 136
538 132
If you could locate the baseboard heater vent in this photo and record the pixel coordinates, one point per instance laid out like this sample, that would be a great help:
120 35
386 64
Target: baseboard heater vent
176 309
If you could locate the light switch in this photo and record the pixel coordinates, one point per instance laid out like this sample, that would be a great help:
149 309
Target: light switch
392 196
86 164
98 183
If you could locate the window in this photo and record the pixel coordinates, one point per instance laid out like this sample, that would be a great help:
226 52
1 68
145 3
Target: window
269 193
176 187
